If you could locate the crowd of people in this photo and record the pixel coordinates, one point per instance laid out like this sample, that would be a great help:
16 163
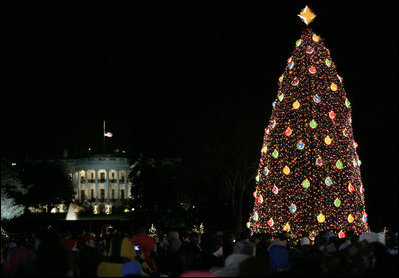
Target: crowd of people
115 252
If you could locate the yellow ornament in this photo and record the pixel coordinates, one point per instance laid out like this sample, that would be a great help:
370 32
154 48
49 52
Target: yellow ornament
264 149
328 140
281 78
350 218
286 227
286 170
333 87
315 37
307 15
296 105
321 218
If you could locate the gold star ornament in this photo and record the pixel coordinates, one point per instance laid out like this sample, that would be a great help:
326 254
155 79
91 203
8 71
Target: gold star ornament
307 15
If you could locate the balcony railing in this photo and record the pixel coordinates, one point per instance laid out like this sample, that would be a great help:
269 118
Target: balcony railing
122 180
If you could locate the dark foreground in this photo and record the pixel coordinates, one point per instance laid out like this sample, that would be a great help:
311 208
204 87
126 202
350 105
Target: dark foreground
121 248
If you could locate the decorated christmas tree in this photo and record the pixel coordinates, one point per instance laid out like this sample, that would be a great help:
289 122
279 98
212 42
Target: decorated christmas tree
309 177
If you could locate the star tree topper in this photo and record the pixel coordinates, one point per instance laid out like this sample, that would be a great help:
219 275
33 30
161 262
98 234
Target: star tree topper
307 15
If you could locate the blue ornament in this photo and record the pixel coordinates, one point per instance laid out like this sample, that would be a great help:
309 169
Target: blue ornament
300 145
291 65
317 99
255 217
292 208
328 181
274 104
265 171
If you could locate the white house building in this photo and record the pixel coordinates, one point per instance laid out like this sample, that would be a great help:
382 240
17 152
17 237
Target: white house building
101 180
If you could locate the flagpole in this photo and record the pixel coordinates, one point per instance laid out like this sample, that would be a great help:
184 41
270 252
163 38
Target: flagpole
104 137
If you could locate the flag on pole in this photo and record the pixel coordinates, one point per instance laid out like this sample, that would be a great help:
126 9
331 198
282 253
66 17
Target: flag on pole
108 134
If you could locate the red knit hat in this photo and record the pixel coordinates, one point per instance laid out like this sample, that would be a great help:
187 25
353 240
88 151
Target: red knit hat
69 243
87 237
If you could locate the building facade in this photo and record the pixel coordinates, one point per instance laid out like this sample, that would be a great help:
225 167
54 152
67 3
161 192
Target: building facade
99 180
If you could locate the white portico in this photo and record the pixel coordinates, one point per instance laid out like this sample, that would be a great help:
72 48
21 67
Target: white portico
100 180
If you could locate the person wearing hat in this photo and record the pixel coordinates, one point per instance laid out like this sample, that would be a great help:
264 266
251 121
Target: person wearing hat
211 253
331 242
242 250
278 254
187 254
304 245
146 244
71 245
89 256
120 252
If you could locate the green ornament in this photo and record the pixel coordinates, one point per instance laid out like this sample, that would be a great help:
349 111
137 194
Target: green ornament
305 183
347 103
280 97
328 63
337 202
339 164
313 124
298 42
275 154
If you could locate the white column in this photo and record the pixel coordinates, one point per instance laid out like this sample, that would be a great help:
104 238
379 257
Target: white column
75 184
80 197
117 182
107 172
87 186
127 194
96 185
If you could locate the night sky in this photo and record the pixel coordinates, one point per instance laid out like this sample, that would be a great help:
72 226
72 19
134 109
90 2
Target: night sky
168 76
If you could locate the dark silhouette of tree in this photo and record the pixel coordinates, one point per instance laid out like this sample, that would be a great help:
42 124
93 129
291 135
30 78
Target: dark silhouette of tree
225 166
155 191
143 177
49 184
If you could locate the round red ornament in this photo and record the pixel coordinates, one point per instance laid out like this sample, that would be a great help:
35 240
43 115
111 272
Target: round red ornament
270 222
312 70
288 131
